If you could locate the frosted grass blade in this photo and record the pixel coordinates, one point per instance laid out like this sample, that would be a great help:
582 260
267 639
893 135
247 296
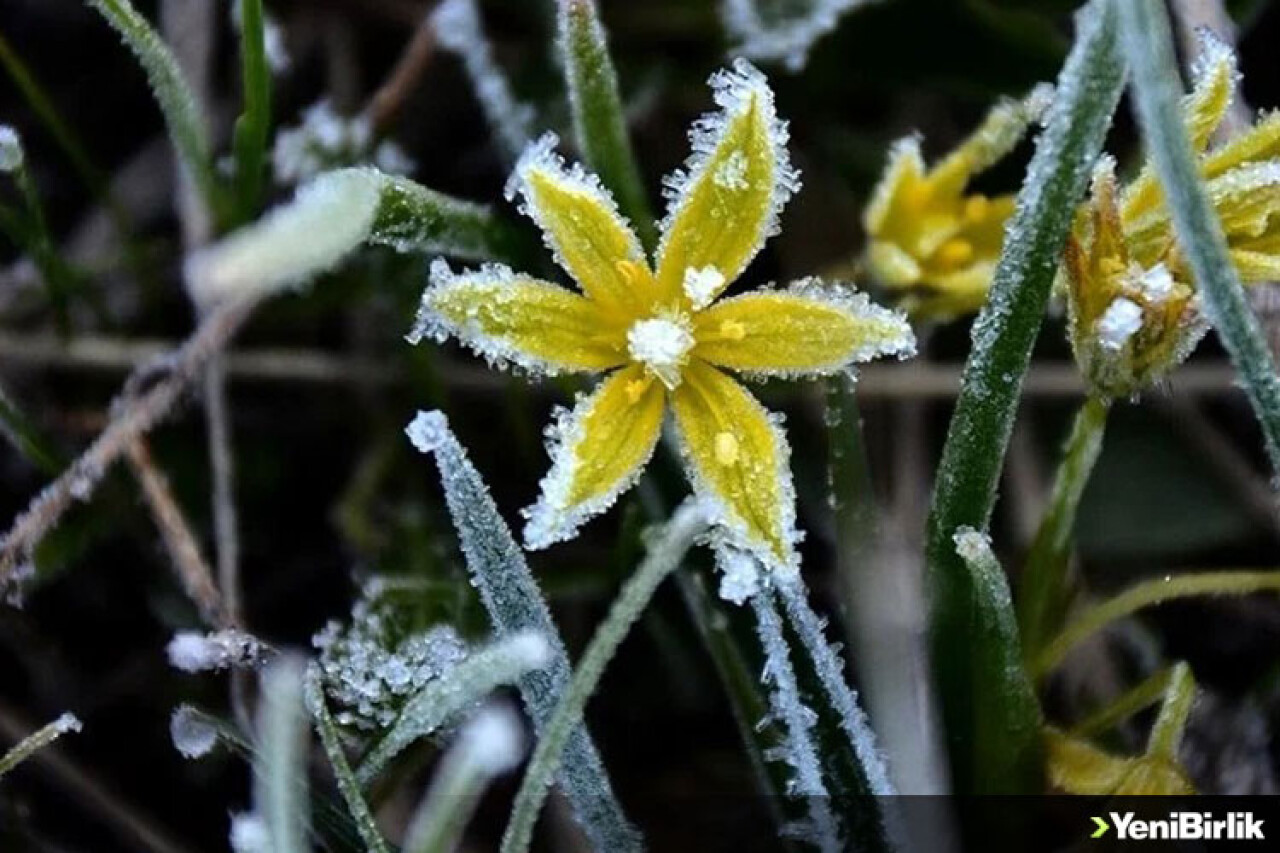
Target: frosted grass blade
1087 91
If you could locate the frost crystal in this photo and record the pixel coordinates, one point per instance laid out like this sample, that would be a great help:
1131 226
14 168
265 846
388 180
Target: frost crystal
1156 284
325 140
702 285
191 651
10 149
457 25
1120 322
192 735
740 574
662 345
493 740
249 834
371 668
781 30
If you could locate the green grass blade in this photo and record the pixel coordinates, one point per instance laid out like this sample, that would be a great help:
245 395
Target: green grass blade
36 741
598 120
1006 735
182 115
1042 593
253 128
1158 97
1088 89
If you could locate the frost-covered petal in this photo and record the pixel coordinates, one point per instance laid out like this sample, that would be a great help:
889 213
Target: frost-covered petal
725 202
510 318
808 329
597 451
738 459
902 179
1214 80
581 224
998 134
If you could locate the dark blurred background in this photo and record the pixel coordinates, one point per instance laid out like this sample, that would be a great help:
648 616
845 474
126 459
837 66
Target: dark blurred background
330 493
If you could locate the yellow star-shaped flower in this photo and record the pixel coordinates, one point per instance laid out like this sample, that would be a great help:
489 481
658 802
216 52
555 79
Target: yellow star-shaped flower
928 236
660 333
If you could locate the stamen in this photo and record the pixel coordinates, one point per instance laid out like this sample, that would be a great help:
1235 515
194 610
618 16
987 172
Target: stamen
726 448
955 253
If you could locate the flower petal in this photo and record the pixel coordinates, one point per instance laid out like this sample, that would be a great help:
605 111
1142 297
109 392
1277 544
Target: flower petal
581 224
902 180
808 329
598 451
725 202
998 134
737 457
510 318
1214 80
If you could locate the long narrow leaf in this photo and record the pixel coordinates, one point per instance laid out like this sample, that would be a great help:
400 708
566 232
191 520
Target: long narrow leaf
37 741
598 120
1007 715
1157 96
515 604
182 114
254 125
1087 91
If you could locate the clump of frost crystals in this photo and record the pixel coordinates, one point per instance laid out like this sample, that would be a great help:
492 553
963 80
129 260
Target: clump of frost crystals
372 666
326 140
192 651
10 149
781 30
192 734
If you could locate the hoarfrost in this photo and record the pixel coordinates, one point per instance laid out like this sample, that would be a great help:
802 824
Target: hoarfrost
458 28
326 220
249 834
515 604
662 345
325 140
191 651
493 740
370 672
798 750
739 574
781 31
1120 322
702 285
192 735
10 149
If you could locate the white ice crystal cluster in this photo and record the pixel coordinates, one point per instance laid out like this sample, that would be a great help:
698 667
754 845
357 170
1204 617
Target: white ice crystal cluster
326 140
371 667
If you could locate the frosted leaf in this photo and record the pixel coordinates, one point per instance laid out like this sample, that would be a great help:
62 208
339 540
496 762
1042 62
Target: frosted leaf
458 29
703 284
734 89
191 651
11 156
326 220
371 668
798 750
192 734
1120 322
249 834
781 30
514 603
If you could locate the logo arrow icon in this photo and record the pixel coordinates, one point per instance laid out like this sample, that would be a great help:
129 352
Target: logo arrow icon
1103 826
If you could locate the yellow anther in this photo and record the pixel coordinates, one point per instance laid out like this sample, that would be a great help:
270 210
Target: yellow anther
732 330
726 448
635 389
955 253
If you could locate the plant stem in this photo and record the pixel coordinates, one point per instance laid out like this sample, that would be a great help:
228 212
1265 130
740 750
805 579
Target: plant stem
1146 693
688 522
253 128
1166 732
1158 98
1147 594
1088 89
1043 587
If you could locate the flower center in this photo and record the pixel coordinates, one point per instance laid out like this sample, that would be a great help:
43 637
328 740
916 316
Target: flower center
662 346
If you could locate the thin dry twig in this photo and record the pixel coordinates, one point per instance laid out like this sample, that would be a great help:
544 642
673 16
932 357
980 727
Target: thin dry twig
189 564
135 412
226 522
386 102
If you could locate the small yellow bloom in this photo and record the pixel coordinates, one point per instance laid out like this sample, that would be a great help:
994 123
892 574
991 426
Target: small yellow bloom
1132 305
660 333
1128 323
927 236
1077 767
